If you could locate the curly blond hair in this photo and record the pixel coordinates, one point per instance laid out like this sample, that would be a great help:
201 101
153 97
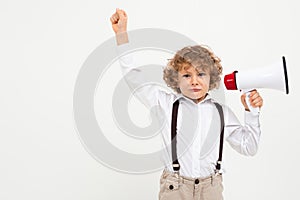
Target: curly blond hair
198 56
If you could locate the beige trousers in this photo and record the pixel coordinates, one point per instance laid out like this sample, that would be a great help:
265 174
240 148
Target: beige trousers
174 187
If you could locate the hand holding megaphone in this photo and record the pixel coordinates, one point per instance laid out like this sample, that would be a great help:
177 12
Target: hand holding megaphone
258 99
273 76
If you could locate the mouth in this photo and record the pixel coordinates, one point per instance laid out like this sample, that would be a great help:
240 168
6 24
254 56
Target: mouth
196 90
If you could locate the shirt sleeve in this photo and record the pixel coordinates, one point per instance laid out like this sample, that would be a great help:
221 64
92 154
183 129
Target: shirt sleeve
243 138
138 79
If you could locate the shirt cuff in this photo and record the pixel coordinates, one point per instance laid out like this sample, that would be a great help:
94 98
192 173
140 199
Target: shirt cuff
251 119
123 48
126 59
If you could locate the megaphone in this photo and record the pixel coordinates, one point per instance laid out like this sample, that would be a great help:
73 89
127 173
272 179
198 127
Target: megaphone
273 76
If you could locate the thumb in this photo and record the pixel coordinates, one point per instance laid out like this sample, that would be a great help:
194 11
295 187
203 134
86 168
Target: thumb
243 100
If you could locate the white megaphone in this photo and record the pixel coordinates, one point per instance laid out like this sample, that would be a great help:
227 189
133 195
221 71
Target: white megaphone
273 76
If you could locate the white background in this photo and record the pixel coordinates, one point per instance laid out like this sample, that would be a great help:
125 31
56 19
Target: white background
43 45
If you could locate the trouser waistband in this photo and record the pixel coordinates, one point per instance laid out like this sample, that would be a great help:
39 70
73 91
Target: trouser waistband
189 180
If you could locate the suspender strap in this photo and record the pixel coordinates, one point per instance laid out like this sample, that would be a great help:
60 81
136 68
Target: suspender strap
220 110
176 165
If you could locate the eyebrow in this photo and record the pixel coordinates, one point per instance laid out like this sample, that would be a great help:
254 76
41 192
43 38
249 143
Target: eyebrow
197 71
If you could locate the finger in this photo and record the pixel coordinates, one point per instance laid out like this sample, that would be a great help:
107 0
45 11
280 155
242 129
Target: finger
254 96
114 17
121 14
114 14
254 101
125 14
257 102
253 92
119 11
112 20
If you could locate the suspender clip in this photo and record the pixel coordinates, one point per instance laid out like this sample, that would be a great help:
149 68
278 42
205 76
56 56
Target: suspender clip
176 167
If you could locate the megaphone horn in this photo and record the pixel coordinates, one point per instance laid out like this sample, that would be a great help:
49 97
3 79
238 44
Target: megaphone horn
273 76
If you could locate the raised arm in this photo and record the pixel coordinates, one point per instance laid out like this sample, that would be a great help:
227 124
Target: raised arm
136 77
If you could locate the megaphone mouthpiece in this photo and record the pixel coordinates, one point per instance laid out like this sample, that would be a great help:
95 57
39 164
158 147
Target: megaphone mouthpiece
230 81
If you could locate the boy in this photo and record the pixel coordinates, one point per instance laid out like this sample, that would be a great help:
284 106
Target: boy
191 73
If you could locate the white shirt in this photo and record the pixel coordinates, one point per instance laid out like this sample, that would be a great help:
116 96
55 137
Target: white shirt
198 125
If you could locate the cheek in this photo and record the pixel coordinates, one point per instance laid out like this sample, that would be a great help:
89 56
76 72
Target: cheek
182 83
205 82
208 82
182 86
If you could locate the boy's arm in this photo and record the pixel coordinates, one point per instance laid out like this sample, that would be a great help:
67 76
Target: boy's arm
243 138
135 77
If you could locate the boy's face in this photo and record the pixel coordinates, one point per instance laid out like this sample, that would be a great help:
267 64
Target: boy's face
193 84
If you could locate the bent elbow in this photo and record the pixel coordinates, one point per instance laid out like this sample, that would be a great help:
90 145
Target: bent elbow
252 151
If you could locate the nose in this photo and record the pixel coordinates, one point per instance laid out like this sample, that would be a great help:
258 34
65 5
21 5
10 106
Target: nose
194 80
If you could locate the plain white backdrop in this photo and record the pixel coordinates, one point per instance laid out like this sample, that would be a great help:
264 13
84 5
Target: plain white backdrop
43 45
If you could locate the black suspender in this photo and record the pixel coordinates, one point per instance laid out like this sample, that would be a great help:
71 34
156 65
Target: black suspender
220 110
175 163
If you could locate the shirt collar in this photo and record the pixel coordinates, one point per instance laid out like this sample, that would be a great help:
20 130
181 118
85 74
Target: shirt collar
180 96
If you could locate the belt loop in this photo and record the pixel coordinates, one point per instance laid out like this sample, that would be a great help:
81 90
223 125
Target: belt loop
176 174
213 177
178 177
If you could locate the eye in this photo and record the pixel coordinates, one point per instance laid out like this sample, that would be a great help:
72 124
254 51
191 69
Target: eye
201 74
186 75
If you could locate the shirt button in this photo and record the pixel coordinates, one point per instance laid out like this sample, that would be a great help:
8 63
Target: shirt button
197 181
